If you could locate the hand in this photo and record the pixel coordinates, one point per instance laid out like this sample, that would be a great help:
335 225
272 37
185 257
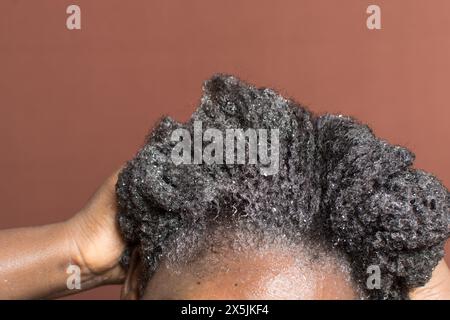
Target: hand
95 234
438 288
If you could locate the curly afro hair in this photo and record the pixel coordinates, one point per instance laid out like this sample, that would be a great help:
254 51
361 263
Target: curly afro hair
337 184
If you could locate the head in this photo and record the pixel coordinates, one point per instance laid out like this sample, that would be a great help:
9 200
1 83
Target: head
340 202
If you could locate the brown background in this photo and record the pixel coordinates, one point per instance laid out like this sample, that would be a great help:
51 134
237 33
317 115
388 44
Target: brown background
74 105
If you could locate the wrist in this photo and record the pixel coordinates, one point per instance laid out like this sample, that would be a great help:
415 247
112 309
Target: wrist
72 235
97 257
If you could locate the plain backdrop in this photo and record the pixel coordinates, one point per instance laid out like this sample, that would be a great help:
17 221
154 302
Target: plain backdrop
74 105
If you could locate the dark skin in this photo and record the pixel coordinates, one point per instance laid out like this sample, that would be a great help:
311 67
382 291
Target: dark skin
34 260
33 263
271 273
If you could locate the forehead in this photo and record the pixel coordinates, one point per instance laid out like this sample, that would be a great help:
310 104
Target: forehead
271 274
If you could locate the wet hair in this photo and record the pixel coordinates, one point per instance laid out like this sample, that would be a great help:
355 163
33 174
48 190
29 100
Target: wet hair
337 185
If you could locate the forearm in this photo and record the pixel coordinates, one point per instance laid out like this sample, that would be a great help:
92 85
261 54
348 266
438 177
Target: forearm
34 262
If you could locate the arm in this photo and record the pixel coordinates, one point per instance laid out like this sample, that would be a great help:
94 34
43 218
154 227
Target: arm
34 260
